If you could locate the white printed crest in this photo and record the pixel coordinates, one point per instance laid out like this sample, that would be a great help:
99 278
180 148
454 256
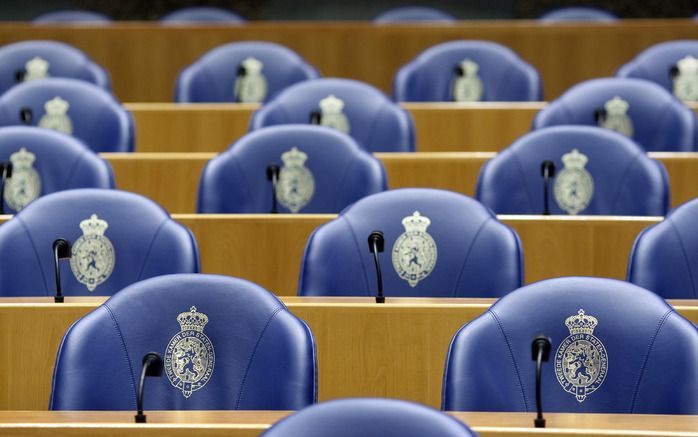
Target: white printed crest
574 186
332 115
56 116
251 87
616 117
92 259
685 83
35 68
468 86
414 252
25 183
296 184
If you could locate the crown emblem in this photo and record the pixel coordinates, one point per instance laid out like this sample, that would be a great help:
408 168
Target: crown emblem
574 159
331 104
22 159
416 222
294 158
56 106
581 323
616 106
36 68
469 67
192 320
252 65
688 65
93 226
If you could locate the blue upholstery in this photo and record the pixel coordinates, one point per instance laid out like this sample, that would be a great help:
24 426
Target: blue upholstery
475 255
504 75
253 354
371 418
375 122
141 237
578 14
202 14
655 64
96 117
664 258
413 14
340 172
660 121
60 162
212 77
625 181
72 16
63 61
651 352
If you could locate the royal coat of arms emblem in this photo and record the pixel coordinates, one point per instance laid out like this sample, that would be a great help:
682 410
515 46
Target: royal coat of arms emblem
685 81
574 186
25 183
414 252
56 116
35 68
331 114
615 117
296 183
250 84
467 85
92 259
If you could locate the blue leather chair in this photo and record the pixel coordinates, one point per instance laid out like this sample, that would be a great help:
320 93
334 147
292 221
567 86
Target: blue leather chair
44 162
664 258
639 109
494 73
222 74
437 244
578 14
665 65
356 108
369 417
598 171
117 238
70 106
202 14
72 16
28 60
321 171
226 344
413 14
616 348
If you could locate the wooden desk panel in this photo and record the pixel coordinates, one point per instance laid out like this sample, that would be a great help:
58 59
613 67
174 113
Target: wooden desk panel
172 179
406 361
252 423
144 58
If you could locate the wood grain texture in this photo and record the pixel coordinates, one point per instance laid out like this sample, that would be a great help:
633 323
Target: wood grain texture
406 361
144 58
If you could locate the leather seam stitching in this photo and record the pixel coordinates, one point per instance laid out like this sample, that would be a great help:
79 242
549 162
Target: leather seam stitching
646 359
123 344
513 359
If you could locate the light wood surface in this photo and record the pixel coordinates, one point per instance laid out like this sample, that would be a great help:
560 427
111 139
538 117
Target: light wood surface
253 423
144 58
406 361
172 179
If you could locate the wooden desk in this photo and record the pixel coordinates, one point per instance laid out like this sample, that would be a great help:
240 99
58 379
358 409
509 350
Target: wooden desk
144 58
253 423
405 362
172 179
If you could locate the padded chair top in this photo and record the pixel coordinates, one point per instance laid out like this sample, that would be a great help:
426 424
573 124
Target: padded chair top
72 16
578 14
202 14
412 14
654 63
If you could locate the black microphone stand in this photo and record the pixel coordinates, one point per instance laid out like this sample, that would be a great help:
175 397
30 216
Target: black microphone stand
61 250
547 170
273 176
376 245
540 351
6 174
152 366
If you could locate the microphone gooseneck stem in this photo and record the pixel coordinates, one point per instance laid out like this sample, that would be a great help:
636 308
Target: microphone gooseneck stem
274 183
140 417
58 298
539 421
2 188
379 297
546 196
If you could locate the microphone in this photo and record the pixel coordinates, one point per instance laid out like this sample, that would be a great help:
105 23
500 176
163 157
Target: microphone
600 115
315 117
547 171
61 250
6 173
273 176
241 72
540 351
673 71
152 366
376 245
19 75
26 115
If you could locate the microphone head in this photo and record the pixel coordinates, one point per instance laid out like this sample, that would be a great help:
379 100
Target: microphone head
673 71
315 117
458 70
376 239
26 115
547 169
242 71
600 115
19 75
61 247
7 168
272 170
153 364
540 341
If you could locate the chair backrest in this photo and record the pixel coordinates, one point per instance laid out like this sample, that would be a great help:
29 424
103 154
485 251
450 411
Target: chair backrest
578 14
598 172
664 258
117 237
44 161
616 348
637 108
321 171
413 14
356 108
29 60
249 72
369 417
467 71
70 106
437 244
202 14
226 344
72 16
672 65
